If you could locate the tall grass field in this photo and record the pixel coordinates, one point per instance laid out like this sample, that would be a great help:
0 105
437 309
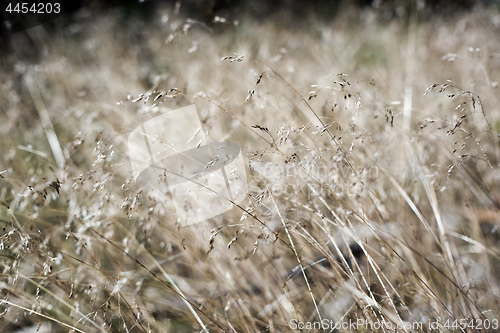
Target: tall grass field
371 150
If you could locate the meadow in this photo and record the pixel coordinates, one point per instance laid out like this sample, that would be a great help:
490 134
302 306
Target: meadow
371 149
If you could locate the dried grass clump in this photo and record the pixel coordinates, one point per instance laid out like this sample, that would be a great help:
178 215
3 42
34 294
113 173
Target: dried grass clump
366 199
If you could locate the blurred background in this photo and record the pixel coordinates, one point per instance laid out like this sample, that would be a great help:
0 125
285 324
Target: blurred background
399 99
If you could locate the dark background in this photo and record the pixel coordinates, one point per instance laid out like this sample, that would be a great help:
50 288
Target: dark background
261 9
290 12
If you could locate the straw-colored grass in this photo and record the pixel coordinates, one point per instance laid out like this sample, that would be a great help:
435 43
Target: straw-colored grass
359 153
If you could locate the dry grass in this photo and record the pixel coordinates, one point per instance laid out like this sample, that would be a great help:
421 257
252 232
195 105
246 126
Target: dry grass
347 160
